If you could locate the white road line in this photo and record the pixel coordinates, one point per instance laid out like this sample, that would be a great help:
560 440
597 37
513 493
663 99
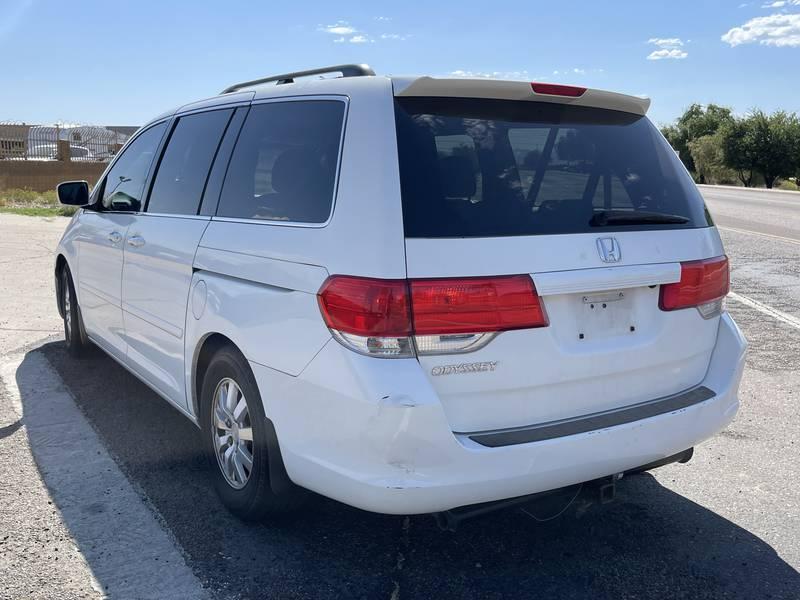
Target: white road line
767 310
127 552
767 235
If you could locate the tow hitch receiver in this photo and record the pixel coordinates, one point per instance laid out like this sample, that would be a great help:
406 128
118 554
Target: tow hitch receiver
449 520
608 488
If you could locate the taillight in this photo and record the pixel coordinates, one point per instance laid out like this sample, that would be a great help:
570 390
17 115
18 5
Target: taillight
393 318
556 89
371 316
703 284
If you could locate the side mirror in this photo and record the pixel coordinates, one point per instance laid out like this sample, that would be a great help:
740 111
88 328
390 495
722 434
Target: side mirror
73 193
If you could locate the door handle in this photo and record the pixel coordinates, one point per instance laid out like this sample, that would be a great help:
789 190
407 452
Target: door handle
136 241
114 237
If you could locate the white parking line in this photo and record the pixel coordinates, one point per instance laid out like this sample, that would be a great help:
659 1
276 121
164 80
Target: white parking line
128 554
767 310
767 235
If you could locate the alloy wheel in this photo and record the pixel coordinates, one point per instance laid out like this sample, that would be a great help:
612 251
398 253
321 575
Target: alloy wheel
232 433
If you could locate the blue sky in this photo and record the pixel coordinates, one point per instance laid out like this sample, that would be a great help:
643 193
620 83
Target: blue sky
91 61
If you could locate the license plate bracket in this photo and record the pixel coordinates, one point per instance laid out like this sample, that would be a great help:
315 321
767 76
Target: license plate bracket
605 314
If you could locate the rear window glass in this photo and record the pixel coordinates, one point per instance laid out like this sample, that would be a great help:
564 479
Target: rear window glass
284 165
481 168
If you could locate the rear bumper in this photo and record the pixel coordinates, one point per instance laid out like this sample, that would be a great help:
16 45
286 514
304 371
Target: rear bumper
372 434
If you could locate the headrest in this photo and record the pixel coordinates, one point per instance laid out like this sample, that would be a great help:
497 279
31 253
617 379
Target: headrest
296 169
458 177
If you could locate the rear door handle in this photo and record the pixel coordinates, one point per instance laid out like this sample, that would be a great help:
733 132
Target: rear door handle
114 237
136 241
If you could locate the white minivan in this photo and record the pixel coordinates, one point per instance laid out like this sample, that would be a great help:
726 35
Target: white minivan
408 294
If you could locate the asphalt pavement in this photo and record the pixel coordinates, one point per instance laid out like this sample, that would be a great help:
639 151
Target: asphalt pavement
725 525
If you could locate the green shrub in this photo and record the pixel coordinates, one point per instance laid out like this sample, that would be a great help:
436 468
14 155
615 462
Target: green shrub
36 204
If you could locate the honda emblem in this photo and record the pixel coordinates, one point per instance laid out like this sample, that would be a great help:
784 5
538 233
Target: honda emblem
609 250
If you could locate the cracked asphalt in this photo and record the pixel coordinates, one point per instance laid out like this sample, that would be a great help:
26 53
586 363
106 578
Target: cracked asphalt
725 525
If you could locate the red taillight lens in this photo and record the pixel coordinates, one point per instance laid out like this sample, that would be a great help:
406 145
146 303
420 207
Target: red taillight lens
366 307
555 89
379 316
702 281
475 305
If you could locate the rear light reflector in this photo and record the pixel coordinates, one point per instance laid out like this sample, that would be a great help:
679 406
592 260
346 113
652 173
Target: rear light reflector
555 89
703 284
392 318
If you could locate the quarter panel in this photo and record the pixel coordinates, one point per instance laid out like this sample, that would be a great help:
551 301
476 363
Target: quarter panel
272 326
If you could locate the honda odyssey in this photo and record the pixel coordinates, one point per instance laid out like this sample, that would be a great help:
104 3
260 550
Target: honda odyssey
408 294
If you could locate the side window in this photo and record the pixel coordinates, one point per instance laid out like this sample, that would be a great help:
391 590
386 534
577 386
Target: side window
284 165
125 181
183 170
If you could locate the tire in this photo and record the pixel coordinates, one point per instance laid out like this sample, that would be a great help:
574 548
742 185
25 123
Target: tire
248 448
74 333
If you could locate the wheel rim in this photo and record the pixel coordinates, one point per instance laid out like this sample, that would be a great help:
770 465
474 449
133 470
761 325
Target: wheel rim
232 433
67 311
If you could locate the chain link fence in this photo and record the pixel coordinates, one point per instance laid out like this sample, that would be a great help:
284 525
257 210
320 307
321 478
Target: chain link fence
74 143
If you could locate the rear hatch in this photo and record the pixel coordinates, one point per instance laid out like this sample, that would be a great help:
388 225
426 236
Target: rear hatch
593 206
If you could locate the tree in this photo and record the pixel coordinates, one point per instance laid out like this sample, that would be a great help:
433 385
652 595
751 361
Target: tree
709 159
679 141
696 121
774 141
737 149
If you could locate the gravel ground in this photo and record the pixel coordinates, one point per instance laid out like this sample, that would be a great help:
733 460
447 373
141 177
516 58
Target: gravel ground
726 525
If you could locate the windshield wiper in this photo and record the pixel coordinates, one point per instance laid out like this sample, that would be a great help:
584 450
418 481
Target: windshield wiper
627 217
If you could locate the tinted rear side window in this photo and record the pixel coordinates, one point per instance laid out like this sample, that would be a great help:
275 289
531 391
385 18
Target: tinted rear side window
284 165
184 166
481 168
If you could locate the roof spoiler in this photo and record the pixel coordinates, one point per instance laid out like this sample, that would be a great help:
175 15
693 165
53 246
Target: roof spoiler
516 90
345 70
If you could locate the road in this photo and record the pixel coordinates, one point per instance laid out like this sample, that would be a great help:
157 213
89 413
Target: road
727 525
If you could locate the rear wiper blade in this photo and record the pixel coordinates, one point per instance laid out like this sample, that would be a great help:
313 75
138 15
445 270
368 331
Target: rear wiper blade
627 217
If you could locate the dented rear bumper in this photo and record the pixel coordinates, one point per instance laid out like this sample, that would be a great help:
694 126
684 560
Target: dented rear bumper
373 434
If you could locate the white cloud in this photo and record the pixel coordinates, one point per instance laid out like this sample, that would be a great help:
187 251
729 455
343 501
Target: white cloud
338 28
781 3
384 19
674 53
669 48
345 32
666 42
773 30
490 74
578 71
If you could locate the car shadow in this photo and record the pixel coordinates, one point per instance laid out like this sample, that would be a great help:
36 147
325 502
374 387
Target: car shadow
651 542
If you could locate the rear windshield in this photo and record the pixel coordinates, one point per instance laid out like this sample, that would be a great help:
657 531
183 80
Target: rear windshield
481 168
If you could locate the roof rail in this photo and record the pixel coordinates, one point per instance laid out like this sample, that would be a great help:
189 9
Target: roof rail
345 70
